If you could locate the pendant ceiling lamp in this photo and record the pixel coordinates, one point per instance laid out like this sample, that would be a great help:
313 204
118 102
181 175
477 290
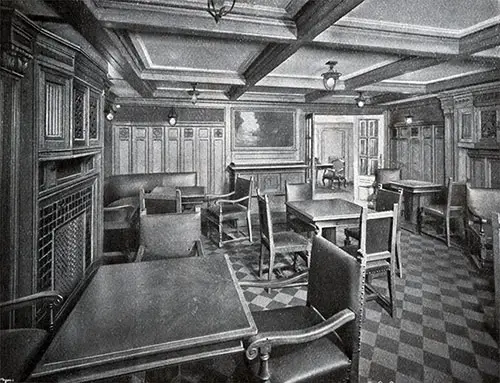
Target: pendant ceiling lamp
331 76
217 8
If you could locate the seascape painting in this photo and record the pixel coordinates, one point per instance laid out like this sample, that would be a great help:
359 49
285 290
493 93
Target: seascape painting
263 129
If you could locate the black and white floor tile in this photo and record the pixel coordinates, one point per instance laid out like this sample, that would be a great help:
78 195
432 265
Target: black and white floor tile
441 332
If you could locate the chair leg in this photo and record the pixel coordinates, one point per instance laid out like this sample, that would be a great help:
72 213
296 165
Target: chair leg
419 221
271 266
249 223
261 261
220 233
447 229
398 254
392 292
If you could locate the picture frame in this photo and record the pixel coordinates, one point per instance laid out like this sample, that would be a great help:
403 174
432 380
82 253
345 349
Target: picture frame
263 130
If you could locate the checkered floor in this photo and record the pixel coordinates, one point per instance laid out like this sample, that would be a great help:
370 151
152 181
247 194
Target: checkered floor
441 333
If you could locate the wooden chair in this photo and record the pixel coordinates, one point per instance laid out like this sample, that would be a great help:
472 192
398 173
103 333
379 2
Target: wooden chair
169 236
337 173
450 206
228 209
385 201
319 342
481 203
21 348
298 192
378 232
152 203
496 271
282 242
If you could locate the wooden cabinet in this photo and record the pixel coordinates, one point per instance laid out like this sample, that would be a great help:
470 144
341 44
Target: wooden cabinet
51 94
419 150
147 148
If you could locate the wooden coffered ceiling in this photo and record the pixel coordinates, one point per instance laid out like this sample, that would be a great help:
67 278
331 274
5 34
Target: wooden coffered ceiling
276 50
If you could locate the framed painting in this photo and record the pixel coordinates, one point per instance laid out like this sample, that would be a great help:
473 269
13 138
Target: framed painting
263 129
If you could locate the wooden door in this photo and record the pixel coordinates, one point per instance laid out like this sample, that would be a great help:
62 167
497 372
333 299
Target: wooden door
334 140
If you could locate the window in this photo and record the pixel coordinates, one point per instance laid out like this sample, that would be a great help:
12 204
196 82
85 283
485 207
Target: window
368 147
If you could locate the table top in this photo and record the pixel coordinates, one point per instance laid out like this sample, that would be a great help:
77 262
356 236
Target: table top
135 310
416 185
317 210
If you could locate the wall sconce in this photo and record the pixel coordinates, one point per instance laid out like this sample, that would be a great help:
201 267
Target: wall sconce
193 93
409 118
217 9
110 111
330 78
172 117
360 100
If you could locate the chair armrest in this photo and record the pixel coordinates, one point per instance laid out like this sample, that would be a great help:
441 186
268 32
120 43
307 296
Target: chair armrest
232 201
291 281
198 248
210 197
52 297
265 340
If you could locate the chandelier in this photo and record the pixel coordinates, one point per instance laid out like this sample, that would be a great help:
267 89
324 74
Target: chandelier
217 9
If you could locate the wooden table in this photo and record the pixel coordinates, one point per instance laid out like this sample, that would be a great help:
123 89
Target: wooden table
415 194
138 316
327 214
190 195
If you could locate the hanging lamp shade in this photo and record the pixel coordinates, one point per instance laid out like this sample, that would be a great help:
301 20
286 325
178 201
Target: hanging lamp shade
331 76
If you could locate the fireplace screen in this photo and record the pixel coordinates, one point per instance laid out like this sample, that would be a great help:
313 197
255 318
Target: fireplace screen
64 247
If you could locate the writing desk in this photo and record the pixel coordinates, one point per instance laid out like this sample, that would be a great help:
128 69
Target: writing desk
326 214
189 195
138 316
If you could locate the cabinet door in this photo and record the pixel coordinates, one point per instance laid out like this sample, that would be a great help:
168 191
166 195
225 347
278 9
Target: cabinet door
140 150
217 171
54 109
156 149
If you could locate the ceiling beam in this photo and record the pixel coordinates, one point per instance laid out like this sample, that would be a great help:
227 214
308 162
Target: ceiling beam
482 40
397 68
79 16
313 18
391 42
196 22
463 81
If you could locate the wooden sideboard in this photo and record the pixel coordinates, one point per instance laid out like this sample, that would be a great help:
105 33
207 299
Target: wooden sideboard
269 179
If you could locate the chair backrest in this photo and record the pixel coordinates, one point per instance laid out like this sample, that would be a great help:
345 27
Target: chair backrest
338 166
378 233
482 201
386 175
336 281
151 203
243 188
298 192
496 268
456 194
169 235
266 224
387 198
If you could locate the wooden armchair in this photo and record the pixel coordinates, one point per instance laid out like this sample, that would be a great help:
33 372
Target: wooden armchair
120 225
319 341
496 272
451 206
21 348
228 209
481 203
336 173
298 192
169 236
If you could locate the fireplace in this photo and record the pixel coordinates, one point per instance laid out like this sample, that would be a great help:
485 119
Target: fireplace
66 236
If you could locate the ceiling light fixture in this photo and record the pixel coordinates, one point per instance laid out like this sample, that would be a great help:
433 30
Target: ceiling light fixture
217 9
360 100
330 78
194 93
172 117
409 118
